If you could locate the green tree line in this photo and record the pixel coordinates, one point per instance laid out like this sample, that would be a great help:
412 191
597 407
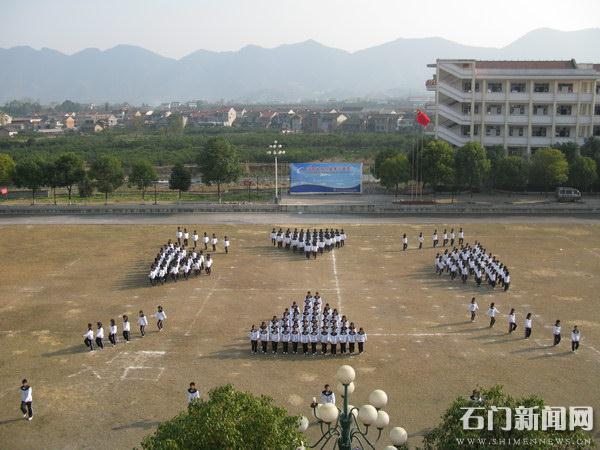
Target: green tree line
218 162
473 167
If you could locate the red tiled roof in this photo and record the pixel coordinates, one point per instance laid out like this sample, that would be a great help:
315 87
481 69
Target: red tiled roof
525 64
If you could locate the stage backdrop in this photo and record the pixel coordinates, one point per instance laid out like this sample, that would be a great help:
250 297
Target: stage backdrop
320 178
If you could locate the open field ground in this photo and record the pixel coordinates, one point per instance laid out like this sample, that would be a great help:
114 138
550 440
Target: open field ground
422 350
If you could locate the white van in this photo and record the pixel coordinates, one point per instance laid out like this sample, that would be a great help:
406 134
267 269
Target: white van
567 194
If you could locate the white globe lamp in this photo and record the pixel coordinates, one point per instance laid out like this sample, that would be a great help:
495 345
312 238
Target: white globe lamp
367 414
328 412
378 398
345 374
302 424
398 436
382 420
340 388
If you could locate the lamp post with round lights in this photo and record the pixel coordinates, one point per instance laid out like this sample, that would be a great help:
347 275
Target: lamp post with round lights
344 425
275 150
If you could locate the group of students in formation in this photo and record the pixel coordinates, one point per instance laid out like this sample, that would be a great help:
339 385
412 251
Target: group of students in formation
493 312
473 261
447 239
310 243
180 259
303 329
92 336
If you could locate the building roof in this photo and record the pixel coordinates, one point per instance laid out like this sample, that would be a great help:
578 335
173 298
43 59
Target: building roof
571 64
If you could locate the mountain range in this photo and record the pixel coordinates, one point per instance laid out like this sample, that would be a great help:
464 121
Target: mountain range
289 73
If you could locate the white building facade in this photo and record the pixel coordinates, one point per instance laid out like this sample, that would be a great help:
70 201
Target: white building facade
519 105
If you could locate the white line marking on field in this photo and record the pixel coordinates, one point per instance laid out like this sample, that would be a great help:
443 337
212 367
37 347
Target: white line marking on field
151 353
85 369
126 375
208 296
337 282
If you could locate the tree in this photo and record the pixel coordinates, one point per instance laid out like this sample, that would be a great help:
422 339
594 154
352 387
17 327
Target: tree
231 420
142 175
472 165
175 124
180 179
7 169
30 172
70 170
512 173
85 187
437 162
583 172
107 173
549 167
51 177
495 154
449 433
219 163
570 150
393 171
381 156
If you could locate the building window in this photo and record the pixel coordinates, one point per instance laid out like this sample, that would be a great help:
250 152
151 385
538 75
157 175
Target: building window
539 131
465 130
540 110
494 87
515 131
562 132
564 110
466 109
494 109
517 88
492 130
597 130
467 86
597 110
517 110
541 87
565 88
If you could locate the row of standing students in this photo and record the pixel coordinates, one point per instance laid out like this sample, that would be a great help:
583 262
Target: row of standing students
97 337
493 312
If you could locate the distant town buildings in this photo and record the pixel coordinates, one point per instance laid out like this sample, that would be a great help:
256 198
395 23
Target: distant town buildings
519 105
297 119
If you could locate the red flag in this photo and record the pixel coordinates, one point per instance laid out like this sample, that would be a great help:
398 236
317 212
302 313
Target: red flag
422 118
4 191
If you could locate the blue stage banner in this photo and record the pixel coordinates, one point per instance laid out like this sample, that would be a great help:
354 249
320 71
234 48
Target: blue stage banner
322 178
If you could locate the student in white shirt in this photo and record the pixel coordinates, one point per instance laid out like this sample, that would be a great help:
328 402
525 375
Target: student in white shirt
421 239
195 238
89 337
556 332
126 328
452 237
333 341
434 238
361 338
473 307
179 235
26 400
512 321
186 236
205 239
214 242
351 340
112 332
192 393
264 337
254 336
528 325
161 316
100 335
445 236
575 336
492 312
142 322
226 244
314 339
327 395
273 237
404 242
461 237
208 265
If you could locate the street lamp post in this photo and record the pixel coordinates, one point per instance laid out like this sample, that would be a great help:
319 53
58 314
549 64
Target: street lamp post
275 150
343 424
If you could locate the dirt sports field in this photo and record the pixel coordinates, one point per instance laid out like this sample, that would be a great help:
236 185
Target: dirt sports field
421 348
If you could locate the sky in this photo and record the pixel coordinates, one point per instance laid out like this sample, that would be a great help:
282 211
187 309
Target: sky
175 28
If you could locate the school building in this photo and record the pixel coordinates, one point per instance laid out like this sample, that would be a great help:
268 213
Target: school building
519 105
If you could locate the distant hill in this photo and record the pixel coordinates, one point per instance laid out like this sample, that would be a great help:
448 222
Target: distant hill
294 72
